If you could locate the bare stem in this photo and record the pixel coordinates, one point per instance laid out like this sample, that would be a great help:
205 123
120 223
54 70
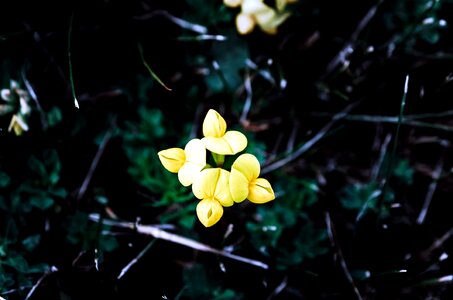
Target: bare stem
333 240
158 233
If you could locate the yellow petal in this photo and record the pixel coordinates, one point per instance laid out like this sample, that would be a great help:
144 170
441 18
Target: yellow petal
269 21
253 7
232 3
195 153
217 145
245 23
172 159
248 165
213 183
209 212
231 143
281 4
214 124
222 190
260 191
202 186
239 186
188 173
236 140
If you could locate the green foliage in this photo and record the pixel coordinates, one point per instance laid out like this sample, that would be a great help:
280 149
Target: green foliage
140 140
273 232
198 284
415 22
230 57
80 231
207 13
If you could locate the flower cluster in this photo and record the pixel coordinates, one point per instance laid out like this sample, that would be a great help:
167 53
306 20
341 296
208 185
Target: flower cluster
256 12
213 185
16 101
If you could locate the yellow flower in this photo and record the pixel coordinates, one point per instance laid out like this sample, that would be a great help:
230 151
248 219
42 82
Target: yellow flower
217 139
18 125
267 18
244 182
17 100
256 12
211 186
232 3
281 4
187 163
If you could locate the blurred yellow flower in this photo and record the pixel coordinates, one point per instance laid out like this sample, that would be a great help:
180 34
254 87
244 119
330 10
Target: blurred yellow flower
232 3
211 186
256 12
18 125
217 139
244 182
187 163
17 101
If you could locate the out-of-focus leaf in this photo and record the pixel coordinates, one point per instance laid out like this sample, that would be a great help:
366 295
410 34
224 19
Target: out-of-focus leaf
16 261
31 242
108 243
4 179
42 203
54 116
230 57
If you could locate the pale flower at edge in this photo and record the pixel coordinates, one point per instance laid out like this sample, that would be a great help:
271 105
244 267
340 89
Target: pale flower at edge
187 163
217 139
211 186
244 182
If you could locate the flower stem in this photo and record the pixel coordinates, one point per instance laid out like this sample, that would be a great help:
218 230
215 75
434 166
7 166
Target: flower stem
219 159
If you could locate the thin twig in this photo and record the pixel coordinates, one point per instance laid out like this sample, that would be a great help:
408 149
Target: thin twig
33 95
94 164
145 63
431 189
38 283
292 138
136 259
382 152
279 288
158 233
248 99
306 146
438 243
333 240
178 21
71 77
348 48
395 144
406 120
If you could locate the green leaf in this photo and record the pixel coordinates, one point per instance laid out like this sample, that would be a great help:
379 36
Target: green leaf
108 243
230 57
54 116
404 172
42 203
17 262
31 242
37 166
5 180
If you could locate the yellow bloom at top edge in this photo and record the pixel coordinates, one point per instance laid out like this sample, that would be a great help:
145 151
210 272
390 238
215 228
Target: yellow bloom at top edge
232 3
217 139
257 12
244 182
187 163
